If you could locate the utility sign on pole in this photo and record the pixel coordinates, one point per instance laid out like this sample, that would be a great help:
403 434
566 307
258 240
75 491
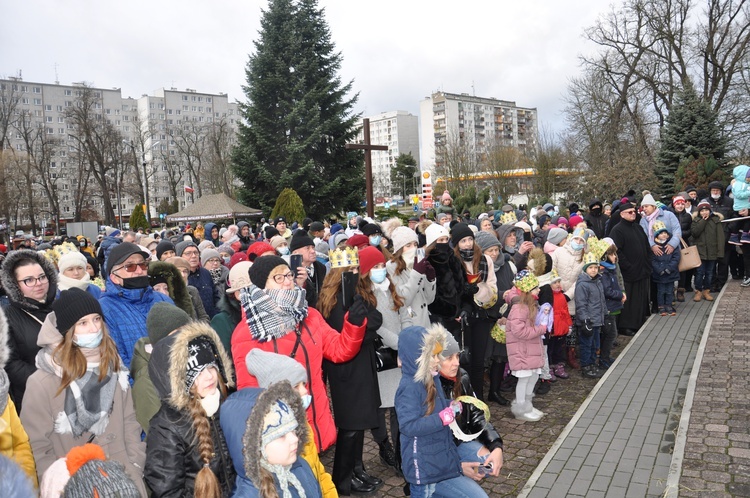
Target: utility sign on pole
427 201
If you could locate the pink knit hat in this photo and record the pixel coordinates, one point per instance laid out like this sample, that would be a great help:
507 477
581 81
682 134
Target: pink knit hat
446 196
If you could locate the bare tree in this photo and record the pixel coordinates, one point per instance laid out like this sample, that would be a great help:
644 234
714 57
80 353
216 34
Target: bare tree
190 142
9 99
456 159
549 162
501 167
220 141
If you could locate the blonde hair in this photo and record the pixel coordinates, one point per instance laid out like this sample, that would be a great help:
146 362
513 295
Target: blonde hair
206 482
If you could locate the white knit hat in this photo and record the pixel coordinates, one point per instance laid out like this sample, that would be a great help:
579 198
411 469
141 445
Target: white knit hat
402 236
71 259
648 200
434 232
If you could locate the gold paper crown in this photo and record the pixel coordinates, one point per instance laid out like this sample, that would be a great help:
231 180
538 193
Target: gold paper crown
344 258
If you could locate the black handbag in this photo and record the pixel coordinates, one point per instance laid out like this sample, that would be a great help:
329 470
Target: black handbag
385 358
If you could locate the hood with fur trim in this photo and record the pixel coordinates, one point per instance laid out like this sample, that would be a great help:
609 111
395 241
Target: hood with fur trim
11 286
177 287
422 226
251 440
415 350
169 359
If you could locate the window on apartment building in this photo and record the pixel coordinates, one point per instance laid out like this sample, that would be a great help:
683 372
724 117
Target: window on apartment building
185 108
24 88
50 131
169 111
209 120
127 128
161 116
200 99
152 106
97 95
178 112
98 105
161 105
185 97
195 108
37 101
68 103
59 108
47 107
200 109
37 114
209 99
117 112
49 119
25 101
37 89
194 98
68 93
61 131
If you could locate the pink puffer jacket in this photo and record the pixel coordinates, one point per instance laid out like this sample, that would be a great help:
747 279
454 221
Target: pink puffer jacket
523 340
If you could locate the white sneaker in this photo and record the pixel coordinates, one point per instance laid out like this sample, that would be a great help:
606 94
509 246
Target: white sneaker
539 413
745 282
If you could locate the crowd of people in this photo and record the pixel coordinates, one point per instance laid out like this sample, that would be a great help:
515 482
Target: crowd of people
198 361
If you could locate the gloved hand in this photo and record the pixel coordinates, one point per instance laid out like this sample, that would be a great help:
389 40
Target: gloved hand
374 319
357 311
471 289
446 415
425 268
587 329
589 325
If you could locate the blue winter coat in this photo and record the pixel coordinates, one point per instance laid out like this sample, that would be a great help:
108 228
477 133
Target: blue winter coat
208 228
428 452
673 226
665 268
125 312
590 300
201 280
612 291
740 187
233 416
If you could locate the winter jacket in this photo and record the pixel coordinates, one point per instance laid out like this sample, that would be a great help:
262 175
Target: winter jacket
708 236
172 456
392 323
686 223
108 243
502 232
201 279
318 341
449 283
722 206
417 291
487 289
740 187
207 232
673 225
524 339
356 378
562 319
178 289
471 420
241 435
14 442
590 301
664 268
633 251
596 222
25 317
125 312
428 452
612 290
121 439
226 320
568 264
145 398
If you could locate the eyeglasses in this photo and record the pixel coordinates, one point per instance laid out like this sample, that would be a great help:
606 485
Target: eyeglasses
279 279
34 281
130 267
631 211
214 260
190 253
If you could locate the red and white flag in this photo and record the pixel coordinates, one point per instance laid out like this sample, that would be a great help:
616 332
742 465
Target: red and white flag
189 190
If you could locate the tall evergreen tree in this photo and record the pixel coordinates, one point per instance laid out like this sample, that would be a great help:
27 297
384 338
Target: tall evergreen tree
692 131
297 116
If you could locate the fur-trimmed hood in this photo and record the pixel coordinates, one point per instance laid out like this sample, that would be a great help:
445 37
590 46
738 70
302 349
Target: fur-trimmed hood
251 440
415 350
422 226
169 360
177 287
696 214
11 286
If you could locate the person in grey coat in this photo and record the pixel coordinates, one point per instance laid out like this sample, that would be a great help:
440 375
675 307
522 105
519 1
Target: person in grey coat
590 315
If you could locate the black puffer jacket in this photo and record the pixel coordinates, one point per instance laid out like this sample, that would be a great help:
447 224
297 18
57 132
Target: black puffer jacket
450 278
25 318
472 418
686 223
172 456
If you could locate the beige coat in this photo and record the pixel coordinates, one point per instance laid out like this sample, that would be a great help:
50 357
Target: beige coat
121 440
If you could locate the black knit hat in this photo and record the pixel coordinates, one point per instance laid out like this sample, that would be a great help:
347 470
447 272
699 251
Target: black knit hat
72 305
93 262
123 251
270 231
162 247
371 229
300 239
164 318
459 231
262 267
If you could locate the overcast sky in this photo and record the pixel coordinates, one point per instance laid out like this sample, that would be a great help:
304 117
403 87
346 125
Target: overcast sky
396 51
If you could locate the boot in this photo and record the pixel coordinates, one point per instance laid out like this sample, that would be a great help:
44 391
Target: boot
361 474
560 372
680 295
542 387
698 296
523 411
572 359
387 455
498 398
707 295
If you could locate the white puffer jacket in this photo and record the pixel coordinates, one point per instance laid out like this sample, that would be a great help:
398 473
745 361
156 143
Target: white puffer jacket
569 265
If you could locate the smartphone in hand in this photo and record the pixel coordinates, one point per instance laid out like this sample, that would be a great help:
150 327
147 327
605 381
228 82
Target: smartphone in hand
348 288
295 261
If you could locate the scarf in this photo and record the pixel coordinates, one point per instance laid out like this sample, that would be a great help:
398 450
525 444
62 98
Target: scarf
88 402
285 477
650 219
65 283
271 314
215 275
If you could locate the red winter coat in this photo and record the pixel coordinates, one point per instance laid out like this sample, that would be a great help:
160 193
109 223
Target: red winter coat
563 320
523 340
318 341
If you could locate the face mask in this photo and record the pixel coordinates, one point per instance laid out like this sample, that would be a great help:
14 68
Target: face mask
226 259
408 256
89 341
467 254
378 275
135 282
375 241
306 400
211 402
551 213
441 248
447 225
576 246
283 250
716 197
596 210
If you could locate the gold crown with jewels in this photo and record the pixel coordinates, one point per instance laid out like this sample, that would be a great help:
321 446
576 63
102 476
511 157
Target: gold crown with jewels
344 258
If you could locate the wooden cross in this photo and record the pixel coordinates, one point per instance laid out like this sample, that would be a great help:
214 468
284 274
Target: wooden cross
368 147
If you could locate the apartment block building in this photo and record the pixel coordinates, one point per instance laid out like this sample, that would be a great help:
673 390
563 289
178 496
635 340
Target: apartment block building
481 122
399 131
146 125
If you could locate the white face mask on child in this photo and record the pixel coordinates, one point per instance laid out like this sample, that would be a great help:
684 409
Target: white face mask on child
211 402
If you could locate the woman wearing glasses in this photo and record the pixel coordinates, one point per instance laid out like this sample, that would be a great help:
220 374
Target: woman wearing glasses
276 318
30 281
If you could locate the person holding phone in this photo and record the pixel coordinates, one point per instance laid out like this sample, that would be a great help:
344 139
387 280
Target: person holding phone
309 271
356 379
414 278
